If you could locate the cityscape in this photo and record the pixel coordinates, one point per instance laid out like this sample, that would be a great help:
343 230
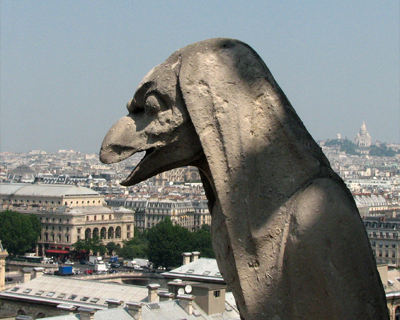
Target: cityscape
76 197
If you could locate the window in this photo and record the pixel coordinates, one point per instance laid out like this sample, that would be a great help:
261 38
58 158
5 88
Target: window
72 296
27 290
79 230
217 293
94 300
84 299
61 296
39 293
15 289
50 294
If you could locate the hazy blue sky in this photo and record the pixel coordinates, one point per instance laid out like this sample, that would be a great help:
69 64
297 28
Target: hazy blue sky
69 67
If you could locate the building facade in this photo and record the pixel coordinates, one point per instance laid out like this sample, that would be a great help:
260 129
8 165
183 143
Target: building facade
191 214
384 236
68 213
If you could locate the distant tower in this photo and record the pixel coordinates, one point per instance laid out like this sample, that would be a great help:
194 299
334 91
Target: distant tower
363 139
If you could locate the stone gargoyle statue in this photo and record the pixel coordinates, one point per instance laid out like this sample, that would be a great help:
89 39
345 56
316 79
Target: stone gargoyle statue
287 235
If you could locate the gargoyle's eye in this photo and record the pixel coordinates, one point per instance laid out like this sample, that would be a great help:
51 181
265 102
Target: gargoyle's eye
133 107
154 104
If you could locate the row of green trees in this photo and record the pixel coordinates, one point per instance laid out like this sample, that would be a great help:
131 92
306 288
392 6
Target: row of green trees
163 244
167 242
19 233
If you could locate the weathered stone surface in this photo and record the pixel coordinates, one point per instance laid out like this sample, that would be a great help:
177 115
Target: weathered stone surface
286 232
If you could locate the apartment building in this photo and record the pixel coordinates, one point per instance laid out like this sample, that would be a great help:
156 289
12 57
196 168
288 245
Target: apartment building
384 235
191 214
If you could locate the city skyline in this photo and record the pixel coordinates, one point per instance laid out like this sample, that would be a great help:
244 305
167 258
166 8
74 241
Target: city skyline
69 68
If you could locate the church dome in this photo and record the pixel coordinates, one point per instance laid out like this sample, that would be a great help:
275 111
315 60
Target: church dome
363 129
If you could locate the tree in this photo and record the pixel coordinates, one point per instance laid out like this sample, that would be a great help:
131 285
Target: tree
167 243
111 247
91 244
202 242
19 233
134 248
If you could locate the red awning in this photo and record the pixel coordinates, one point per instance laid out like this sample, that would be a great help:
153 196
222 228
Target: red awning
57 251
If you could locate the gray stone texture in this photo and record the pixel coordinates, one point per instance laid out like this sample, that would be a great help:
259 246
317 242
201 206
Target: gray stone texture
286 232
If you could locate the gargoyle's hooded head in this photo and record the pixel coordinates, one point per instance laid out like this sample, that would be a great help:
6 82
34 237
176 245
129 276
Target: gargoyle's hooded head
215 98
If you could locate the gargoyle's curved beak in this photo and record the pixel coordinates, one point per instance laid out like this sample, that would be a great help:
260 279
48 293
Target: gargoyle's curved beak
121 141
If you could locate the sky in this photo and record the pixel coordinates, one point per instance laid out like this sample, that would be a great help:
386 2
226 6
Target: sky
68 68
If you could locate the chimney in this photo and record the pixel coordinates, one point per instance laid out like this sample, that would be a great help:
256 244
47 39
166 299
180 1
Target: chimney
86 313
152 292
186 302
195 256
112 303
27 275
135 309
186 257
66 308
166 296
37 272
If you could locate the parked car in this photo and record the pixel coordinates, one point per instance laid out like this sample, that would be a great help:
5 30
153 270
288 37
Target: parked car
115 265
68 262
88 271
112 271
8 279
83 262
101 272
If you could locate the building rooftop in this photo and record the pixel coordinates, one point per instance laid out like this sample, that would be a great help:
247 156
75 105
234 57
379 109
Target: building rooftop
203 269
166 310
45 190
82 293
